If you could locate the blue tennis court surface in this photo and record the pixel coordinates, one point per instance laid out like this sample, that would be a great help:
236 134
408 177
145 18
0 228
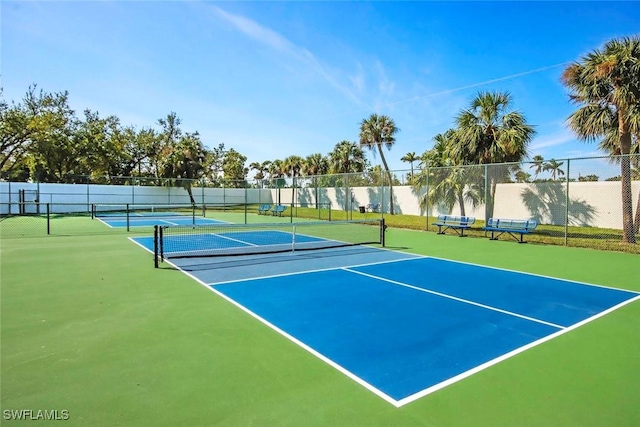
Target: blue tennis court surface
401 325
118 221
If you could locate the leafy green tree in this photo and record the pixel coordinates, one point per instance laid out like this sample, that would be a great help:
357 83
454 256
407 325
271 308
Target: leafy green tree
489 132
53 155
101 147
605 83
15 139
234 170
162 146
375 132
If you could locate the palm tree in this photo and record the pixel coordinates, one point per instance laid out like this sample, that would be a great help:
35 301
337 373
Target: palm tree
316 164
346 157
293 166
522 176
554 167
375 132
183 162
606 85
410 158
488 132
260 169
537 165
451 183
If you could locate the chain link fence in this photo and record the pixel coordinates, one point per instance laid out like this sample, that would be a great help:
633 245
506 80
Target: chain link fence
590 202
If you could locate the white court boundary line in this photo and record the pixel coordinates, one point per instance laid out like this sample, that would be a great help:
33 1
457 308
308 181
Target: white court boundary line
371 388
466 301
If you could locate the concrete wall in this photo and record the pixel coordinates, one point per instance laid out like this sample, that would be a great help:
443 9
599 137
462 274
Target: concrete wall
79 197
595 204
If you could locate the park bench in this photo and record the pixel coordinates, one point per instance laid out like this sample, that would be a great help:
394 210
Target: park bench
278 209
455 223
513 227
373 207
263 209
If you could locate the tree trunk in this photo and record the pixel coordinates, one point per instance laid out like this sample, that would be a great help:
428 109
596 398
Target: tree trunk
188 188
628 231
461 203
386 168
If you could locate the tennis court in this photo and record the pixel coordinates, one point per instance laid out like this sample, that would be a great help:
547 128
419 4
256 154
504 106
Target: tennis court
142 218
401 325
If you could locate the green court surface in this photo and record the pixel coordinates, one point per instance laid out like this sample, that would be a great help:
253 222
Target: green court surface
90 327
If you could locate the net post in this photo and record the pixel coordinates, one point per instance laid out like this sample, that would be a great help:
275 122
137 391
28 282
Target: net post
155 246
383 228
48 219
93 211
127 217
161 242
193 214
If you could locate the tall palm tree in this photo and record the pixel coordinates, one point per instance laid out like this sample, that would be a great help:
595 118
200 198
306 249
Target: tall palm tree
554 167
488 132
410 158
537 164
375 132
606 85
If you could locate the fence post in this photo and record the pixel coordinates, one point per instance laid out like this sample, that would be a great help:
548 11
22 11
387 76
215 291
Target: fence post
486 193
426 198
566 206
48 220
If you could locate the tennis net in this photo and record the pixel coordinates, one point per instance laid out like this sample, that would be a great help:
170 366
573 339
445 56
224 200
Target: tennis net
246 239
135 211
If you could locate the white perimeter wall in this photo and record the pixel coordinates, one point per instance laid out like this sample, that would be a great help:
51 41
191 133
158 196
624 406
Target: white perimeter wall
596 204
79 197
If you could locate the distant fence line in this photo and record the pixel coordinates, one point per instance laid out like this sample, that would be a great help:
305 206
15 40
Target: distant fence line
583 192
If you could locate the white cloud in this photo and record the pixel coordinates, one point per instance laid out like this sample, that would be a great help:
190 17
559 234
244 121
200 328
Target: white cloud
553 140
277 42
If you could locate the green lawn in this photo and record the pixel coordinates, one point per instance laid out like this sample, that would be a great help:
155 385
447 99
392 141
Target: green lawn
88 325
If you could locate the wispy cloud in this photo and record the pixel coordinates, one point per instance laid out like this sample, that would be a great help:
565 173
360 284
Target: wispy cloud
547 141
275 41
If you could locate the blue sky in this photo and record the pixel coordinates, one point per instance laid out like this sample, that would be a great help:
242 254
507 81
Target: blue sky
271 79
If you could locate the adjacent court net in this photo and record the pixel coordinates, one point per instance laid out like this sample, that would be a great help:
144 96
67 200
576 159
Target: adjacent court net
246 239
137 211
